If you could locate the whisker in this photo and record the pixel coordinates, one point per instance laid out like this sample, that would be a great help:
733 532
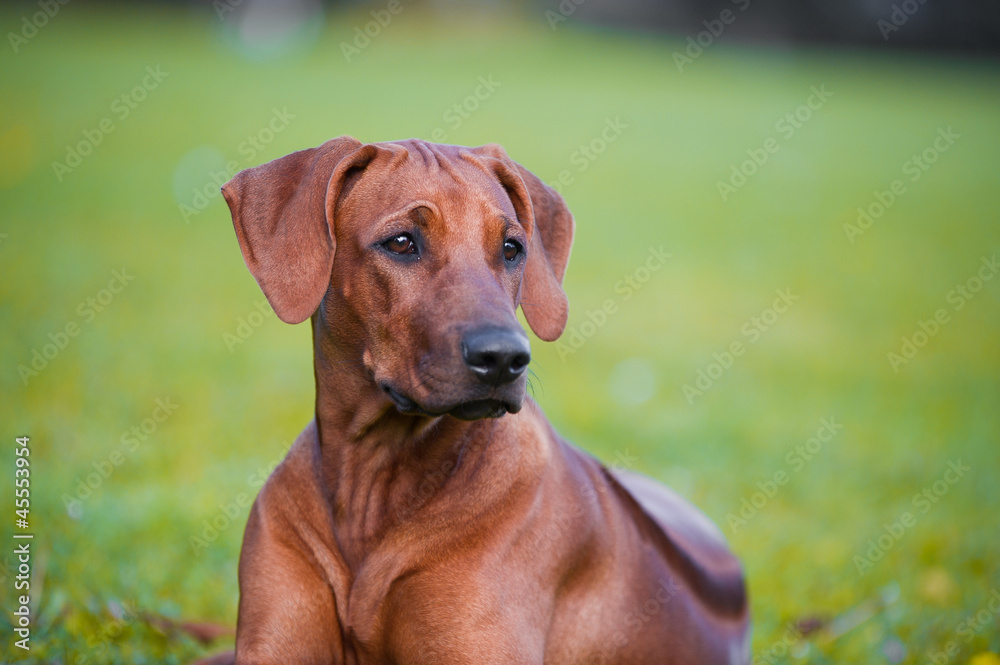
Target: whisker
531 373
420 382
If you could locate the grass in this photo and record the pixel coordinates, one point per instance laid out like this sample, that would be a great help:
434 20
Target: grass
108 560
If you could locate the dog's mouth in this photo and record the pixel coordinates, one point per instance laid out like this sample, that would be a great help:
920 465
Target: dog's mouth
469 410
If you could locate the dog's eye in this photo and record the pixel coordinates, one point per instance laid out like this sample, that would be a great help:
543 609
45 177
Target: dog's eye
511 249
401 244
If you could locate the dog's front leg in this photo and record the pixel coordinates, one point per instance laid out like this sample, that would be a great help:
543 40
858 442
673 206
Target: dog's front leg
287 610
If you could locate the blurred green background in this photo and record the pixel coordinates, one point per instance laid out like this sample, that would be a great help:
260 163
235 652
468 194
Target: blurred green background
122 505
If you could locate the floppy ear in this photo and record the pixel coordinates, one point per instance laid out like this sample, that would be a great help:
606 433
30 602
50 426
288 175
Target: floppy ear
548 256
550 225
283 214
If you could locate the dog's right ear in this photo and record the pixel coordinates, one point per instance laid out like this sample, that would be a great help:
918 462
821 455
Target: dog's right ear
283 213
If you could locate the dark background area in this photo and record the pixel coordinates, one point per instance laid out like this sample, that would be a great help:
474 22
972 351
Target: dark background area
971 26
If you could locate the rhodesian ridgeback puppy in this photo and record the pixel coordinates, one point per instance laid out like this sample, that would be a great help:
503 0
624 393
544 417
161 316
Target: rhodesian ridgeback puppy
429 514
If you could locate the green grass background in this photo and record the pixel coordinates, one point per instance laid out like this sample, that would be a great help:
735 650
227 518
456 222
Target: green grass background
619 395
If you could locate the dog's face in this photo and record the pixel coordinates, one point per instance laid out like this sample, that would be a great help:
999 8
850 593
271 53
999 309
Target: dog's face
429 263
414 258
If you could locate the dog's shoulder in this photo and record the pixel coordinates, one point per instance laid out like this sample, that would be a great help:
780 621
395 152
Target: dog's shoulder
689 540
672 512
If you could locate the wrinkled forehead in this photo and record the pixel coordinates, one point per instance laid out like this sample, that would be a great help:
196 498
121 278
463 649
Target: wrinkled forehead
456 180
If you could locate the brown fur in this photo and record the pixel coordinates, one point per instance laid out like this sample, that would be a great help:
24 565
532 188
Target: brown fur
404 528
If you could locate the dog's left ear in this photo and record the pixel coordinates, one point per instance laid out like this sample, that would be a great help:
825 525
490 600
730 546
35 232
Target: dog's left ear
550 225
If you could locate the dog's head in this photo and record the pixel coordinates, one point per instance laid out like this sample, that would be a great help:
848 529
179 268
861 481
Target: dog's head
414 257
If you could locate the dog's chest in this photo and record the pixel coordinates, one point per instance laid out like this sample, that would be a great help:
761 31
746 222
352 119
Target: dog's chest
488 610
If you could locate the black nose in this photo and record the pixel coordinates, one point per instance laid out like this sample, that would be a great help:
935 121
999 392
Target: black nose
496 355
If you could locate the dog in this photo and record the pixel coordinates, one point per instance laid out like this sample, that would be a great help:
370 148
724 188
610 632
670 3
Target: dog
429 514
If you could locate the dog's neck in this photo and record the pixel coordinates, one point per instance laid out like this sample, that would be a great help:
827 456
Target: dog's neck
381 468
